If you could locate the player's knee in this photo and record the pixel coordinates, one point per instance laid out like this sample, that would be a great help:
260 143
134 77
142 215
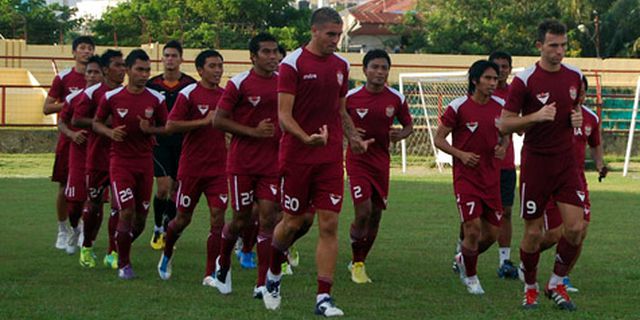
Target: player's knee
533 235
573 232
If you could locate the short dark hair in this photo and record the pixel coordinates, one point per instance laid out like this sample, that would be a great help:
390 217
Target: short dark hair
105 58
254 43
324 15
96 59
500 55
137 54
375 54
82 39
282 50
552 26
476 71
202 57
175 44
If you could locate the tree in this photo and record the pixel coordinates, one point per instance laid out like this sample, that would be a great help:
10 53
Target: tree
36 21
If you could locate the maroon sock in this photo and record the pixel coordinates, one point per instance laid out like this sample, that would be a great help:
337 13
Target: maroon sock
324 285
228 242
277 256
372 233
249 236
113 225
123 239
358 243
264 247
89 218
213 249
173 234
565 254
136 231
74 210
470 258
96 227
530 263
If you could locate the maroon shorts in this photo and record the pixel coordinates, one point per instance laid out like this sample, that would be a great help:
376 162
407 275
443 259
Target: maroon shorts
474 206
61 166
97 182
318 185
553 217
132 189
364 187
543 176
190 189
76 188
244 189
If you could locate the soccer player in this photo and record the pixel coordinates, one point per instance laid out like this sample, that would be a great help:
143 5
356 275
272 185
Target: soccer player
477 150
76 190
66 82
506 269
547 95
312 88
204 157
586 135
167 151
97 159
249 110
137 113
373 108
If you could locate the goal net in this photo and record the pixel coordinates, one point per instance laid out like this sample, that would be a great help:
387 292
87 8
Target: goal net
428 95
632 129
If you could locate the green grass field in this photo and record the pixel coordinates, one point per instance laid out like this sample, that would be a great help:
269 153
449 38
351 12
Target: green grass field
410 264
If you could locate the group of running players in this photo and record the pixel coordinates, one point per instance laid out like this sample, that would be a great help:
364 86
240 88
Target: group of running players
284 165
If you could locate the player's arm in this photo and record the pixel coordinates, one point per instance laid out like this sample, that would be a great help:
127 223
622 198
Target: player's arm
500 150
99 124
175 126
291 126
222 121
51 105
78 137
146 127
511 122
79 119
469 159
350 132
396 135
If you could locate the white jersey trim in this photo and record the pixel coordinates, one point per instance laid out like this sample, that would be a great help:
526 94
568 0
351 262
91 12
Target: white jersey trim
589 111
457 102
64 73
112 93
72 95
344 60
239 78
499 100
292 59
89 91
526 73
574 69
397 93
186 91
156 94
354 91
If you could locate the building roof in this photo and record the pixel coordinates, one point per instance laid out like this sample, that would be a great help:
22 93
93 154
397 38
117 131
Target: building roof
382 11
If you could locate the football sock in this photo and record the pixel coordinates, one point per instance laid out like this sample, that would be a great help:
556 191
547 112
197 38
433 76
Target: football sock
358 243
123 239
470 259
249 235
555 280
277 256
324 285
565 254
159 207
172 237
264 250
112 227
170 212
504 254
213 249
530 263
228 242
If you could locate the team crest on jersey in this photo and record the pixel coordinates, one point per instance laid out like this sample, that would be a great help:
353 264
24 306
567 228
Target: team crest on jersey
340 76
573 92
203 108
335 198
587 130
254 100
472 126
223 198
148 112
274 189
581 195
122 112
389 111
362 112
146 205
543 97
577 131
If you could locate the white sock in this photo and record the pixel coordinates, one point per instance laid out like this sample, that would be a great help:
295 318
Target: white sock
273 277
530 286
159 229
504 253
62 226
473 279
321 296
555 281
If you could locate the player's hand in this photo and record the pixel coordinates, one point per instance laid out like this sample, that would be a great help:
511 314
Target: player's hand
499 151
208 119
469 159
576 118
546 113
361 132
319 139
602 173
265 129
145 126
394 135
118 133
79 137
360 146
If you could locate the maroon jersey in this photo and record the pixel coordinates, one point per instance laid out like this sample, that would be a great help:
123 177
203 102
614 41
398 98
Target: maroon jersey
126 108
589 133
535 87
97 145
474 130
509 162
77 152
204 153
318 83
375 112
64 83
252 98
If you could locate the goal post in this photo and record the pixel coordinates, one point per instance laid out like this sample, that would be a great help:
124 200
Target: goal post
632 129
